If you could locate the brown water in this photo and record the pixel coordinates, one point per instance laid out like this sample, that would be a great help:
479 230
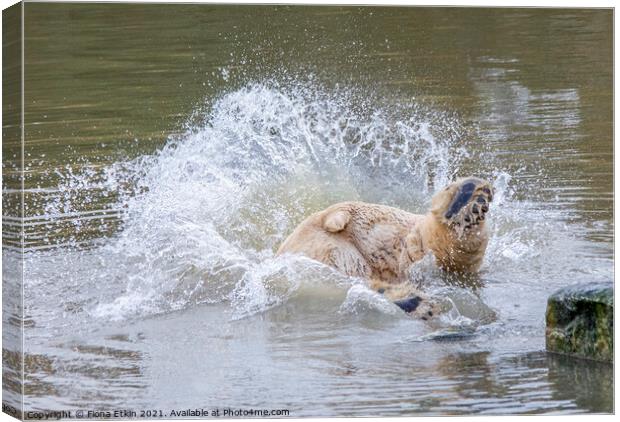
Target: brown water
170 149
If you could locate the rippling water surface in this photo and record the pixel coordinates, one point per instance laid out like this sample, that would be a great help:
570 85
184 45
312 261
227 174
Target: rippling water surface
171 149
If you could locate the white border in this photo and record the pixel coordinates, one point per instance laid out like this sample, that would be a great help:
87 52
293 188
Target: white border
444 3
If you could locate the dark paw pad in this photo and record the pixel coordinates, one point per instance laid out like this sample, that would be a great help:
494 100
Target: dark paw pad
461 198
410 304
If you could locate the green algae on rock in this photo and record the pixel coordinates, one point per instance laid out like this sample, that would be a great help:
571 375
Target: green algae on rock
580 321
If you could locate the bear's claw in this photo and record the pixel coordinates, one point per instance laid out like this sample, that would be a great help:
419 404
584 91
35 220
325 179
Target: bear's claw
474 204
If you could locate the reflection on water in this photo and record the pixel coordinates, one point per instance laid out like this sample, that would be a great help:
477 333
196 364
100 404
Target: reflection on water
170 149
310 365
590 384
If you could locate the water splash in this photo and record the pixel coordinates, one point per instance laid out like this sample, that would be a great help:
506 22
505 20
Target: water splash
201 218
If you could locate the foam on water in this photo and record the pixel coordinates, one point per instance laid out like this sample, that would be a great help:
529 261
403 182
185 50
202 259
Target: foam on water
202 217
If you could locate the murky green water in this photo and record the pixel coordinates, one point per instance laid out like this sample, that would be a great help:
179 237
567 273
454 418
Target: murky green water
170 149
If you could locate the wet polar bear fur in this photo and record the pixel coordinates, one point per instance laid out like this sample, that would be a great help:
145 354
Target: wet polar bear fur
380 243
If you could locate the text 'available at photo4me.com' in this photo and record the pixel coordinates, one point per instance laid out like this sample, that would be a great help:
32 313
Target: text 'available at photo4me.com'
216 412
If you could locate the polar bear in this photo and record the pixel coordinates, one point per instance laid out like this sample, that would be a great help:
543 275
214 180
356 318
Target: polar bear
380 243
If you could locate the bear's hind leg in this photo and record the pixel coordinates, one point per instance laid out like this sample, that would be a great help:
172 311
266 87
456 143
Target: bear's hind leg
346 258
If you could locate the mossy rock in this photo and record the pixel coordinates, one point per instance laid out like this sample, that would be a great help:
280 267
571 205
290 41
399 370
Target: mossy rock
580 321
